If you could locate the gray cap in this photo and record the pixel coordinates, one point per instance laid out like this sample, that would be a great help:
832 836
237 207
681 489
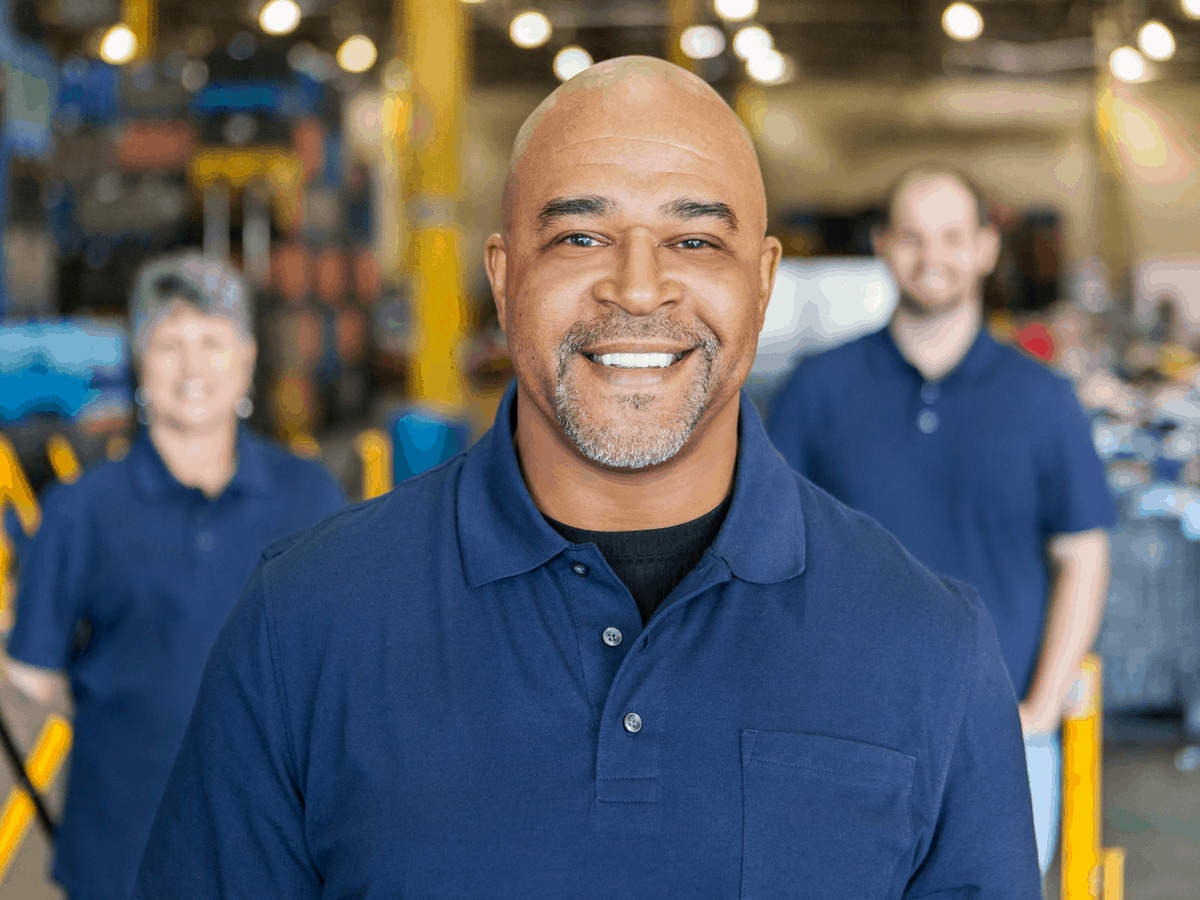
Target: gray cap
213 287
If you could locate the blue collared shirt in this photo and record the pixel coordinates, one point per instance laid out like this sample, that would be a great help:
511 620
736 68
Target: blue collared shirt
972 473
155 567
435 695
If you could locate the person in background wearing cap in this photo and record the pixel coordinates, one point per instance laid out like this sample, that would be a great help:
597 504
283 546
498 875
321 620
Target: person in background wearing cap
148 556
977 458
617 648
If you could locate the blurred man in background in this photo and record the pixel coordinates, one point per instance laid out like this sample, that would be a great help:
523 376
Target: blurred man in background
976 457
145 557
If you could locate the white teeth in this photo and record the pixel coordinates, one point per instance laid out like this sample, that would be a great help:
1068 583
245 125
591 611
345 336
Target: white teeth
637 360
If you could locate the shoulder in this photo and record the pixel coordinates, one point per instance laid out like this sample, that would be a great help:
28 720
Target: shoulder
285 467
97 487
863 573
1033 378
838 360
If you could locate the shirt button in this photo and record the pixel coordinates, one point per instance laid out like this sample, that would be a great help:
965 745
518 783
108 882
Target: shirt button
633 723
579 568
927 421
204 541
930 392
612 636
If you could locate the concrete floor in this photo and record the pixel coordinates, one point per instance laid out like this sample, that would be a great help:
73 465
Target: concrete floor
1150 808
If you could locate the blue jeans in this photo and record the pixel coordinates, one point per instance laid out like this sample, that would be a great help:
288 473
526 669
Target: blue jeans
1043 759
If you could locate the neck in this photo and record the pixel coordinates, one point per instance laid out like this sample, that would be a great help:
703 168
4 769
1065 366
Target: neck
935 344
577 492
203 459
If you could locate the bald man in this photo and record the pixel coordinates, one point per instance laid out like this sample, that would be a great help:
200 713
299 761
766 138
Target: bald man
618 648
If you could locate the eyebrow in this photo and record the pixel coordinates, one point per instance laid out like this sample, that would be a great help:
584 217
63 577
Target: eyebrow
687 209
563 207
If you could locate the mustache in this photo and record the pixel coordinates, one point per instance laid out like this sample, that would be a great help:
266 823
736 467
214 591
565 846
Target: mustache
622 326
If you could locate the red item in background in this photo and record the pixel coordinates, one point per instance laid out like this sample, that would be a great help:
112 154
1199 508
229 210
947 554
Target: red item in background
367 278
155 145
1037 341
289 272
351 335
331 277
308 140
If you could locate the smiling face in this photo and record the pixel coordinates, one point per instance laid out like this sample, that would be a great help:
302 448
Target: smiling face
195 369
935 246
633 275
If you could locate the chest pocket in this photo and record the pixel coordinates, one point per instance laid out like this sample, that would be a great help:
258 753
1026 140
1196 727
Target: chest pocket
824 817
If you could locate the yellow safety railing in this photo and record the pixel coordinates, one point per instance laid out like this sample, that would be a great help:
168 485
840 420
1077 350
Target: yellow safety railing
63 460
1088 871
44 762
375 452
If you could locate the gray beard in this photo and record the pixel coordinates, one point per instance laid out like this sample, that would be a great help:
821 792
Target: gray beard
637 441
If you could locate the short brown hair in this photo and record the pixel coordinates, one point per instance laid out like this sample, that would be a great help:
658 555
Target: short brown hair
941 170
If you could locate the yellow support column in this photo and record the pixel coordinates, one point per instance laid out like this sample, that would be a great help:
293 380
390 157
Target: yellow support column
14 488
374 450
141 17
682 15
436 43
1081 811
42 765
63 460
1114 873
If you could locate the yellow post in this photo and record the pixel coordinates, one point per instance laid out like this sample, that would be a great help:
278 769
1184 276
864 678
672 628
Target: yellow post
6 588
682 16
63 460
14 487
436 43
43 764
374 449
1081 811
1114 873
141 17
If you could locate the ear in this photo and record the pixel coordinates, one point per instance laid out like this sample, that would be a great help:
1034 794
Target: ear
495 261
987 249
249 357
768 267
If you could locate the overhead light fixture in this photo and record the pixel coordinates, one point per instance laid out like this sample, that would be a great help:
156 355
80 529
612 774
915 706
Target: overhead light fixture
357 53
736 10
702 42
530 29
570 61
962 22
768 67
1191 8
1156 41
279 17
119 45
1127 64
752 40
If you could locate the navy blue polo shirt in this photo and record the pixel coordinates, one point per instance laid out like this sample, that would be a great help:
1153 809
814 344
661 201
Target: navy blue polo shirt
436 695
972 473
155 567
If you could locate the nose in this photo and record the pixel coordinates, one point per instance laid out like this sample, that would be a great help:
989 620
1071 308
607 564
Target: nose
639 283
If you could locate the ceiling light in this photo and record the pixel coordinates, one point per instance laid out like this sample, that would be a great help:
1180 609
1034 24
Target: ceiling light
751 40
357 53
529 29
570 61
1191 8
768 67
736 10
962 22
1127 64
279 17
1156 41
702 42
118 45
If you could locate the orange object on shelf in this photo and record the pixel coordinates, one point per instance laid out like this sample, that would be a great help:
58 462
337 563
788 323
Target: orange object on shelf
367 278
351 335
331 276
289 272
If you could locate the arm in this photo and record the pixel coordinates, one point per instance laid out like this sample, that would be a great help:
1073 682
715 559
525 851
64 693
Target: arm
231 822
1078 589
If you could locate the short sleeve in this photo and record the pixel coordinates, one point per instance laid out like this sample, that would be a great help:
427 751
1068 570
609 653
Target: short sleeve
787 419
231 822
49 591
1073 489
983 844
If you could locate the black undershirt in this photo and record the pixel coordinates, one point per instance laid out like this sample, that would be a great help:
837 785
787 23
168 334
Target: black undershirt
652 562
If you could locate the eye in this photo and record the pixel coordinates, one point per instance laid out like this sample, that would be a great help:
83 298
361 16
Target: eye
580 240
694 244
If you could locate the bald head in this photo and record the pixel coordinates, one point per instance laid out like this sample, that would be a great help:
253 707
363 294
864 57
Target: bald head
637 98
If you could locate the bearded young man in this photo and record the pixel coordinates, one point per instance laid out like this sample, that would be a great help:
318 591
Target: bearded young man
978 459
618 648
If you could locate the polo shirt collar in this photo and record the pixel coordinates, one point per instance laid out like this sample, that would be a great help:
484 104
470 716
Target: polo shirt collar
976 361
502 533
155 480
